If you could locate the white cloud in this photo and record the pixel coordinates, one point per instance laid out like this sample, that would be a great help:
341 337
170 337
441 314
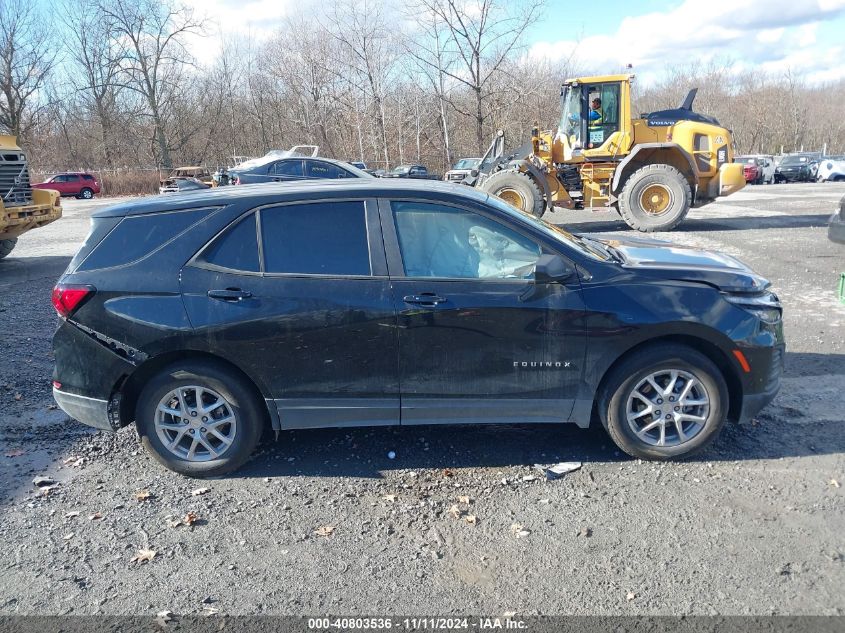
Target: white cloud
771 34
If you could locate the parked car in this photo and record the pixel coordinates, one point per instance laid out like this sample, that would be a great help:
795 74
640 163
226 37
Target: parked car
295 169
419 172
197 172
758 170
831 169
796 168
206 318
179 185
836 227
78 184
359 164
750 169
461 169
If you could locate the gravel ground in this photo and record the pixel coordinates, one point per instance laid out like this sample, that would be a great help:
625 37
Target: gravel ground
752 526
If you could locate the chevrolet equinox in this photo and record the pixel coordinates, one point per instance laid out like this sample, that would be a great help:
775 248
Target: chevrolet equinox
206 318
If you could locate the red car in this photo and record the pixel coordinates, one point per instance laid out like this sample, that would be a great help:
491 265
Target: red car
77 184
749 169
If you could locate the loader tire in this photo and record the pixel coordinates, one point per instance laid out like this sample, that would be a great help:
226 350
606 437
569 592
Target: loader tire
655 198
6 247
517 189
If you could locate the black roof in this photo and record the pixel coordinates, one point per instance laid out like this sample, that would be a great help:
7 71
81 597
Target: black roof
261 194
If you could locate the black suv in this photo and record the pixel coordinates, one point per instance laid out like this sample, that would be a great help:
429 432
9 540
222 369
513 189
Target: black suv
206 318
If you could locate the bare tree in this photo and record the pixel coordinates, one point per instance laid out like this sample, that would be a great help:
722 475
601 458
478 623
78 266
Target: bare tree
481 36
155 57
26 57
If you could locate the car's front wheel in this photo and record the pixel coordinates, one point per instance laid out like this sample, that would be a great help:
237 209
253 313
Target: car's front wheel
200 419
86 194
665 402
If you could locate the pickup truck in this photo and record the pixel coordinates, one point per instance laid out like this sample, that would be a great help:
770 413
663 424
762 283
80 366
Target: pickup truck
411 171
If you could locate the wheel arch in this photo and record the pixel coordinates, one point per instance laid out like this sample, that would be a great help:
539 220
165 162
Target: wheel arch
656 154
129 387
701 345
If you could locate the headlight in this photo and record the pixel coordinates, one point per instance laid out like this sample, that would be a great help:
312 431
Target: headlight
764 305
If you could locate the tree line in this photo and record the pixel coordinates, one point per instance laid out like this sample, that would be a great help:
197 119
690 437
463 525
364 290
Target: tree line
427 81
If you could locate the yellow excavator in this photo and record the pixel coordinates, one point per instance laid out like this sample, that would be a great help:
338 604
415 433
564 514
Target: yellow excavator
651 169
21 207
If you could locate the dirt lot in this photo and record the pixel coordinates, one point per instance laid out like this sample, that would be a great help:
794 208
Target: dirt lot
754 525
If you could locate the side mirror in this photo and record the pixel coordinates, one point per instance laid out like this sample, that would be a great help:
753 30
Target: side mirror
551 268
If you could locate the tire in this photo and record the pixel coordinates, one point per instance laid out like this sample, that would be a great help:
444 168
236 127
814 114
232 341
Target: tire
671 193
6 246
517 189
236 397
620 395
86 194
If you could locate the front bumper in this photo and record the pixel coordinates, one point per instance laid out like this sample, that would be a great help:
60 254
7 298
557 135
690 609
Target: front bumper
836 229
770 360
90 411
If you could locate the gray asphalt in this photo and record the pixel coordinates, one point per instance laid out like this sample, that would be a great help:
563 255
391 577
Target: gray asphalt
752 526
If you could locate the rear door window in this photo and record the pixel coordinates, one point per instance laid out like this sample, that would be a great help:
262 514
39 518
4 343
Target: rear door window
234 249
319 169
321 238
291 168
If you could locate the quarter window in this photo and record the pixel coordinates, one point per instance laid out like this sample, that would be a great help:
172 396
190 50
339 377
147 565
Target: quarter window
322 238
236 248
446 242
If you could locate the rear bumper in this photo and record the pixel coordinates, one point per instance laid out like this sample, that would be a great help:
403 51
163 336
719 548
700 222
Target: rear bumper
90 411
731 178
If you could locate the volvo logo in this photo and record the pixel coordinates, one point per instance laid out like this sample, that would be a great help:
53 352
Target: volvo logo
542 364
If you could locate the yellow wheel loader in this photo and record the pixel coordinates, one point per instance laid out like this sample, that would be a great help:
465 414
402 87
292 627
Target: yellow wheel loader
651 169
21 207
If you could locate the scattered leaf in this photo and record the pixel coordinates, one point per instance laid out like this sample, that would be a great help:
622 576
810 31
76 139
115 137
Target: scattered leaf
471 519
190 519
163 617
200 491
95 517
448 473
631 595
464 499
51 407
15 453
71 514
585 532
143 556
834 483
390 498
18 396
143 495
455 511
519 531
326 530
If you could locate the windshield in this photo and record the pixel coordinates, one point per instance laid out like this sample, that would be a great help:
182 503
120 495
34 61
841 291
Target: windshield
587 246
570 115
467 163
794 160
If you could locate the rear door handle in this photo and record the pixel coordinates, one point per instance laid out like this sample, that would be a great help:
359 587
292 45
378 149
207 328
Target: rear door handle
424 299
230 294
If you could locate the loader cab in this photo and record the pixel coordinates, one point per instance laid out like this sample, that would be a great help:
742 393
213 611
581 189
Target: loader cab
595 118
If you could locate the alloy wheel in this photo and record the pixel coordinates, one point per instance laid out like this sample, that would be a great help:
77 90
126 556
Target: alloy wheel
195 423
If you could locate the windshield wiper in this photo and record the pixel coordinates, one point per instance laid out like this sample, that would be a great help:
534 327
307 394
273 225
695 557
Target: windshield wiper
606 249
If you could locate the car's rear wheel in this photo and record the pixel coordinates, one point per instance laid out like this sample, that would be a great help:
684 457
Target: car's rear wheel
6 246
664 402
86 194
200 419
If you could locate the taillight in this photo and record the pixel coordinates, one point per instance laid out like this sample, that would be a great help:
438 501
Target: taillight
66 299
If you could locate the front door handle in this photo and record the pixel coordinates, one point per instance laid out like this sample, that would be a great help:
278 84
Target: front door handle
424 299
230 294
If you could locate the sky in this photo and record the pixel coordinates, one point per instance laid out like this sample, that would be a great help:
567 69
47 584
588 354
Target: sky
804 36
